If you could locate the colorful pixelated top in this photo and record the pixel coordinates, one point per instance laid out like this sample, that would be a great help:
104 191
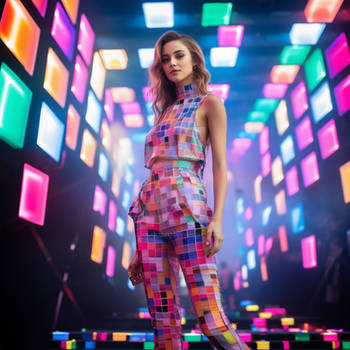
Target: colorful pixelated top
176 136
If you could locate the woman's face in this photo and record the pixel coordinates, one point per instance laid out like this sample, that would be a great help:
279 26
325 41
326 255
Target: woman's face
177 63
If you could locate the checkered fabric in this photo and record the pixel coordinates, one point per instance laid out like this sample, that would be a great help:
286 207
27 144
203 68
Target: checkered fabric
171 216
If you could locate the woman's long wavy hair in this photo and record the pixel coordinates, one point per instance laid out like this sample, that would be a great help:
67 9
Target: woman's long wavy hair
164 90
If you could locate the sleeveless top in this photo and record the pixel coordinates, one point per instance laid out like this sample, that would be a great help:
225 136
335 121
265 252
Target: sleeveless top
176 136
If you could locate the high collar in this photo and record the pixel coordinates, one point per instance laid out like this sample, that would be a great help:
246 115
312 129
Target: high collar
186 91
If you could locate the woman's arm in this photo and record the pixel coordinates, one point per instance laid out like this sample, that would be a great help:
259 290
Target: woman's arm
217 124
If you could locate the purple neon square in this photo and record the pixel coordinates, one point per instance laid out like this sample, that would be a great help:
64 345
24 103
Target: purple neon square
299 100
272 90
80 79
303 133
230 35
342 95
309 169
292 181
328 139
337 55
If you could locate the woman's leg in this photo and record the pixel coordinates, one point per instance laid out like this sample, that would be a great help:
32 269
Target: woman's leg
202 281
161 271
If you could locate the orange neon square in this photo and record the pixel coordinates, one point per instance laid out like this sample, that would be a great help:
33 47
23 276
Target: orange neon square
322 11
345 181
71 7
285 73
88 149
20 33
72 128
98 245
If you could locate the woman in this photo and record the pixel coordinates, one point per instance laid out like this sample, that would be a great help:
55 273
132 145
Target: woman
173 223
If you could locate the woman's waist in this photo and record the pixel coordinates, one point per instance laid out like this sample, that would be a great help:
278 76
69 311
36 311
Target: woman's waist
161 165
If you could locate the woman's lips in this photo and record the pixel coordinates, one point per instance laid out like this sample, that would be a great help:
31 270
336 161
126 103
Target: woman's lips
174 71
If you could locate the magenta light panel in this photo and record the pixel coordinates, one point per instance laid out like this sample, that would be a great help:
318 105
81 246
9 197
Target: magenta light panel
266 164
328 139
112 215
110 265
100 200
264 140
299 100
308 249
272 90
337 55
35 185
230 35
342 95
309 169
86 40
80 79
303 132
292 181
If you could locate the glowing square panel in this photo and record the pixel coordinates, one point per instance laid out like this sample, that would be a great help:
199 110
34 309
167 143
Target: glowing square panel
297 219
223 56
303 133
258 116
32 205
98 245
328 139
100 201
15 100
248 214
342 95
277 171
251 263
309 169
266 164
51 133
220 90
261 245
126 255
146 57
323 11
299 100
266 215
114 59
63 31
106 136
292 182
72 128
71 7
158 14
130 107
306 33
123 94
249 237
112 215
253 127
263 269
281 117
280 202
20 33
308 249
294 54
215 14
282 235
230 35
56 78
287 149
267 105
88 149
284 74
315 69
321 102
86 39
80 79
337 55
93 112
109 105
345 181
98 76
257 188
103 167
41 6
264 142
133 120
110 264
274 90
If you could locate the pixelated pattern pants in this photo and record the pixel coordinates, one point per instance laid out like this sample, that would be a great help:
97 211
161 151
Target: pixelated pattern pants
161 255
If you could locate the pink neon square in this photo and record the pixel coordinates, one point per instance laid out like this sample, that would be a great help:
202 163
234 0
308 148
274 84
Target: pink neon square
230 35
100 200
309 169
266 164
261 245
264 140
292 181
337 55
32 205
342 95
272 90
248 214
308 249
268 244
328 139
86 39
109 105
41 6
112 215
249 238
80 78
299 100
303 133
147 96
110 265
130 108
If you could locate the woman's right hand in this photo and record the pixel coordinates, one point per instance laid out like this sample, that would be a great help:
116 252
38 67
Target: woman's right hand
135 271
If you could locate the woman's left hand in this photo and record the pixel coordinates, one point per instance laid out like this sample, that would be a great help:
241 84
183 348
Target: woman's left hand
214 237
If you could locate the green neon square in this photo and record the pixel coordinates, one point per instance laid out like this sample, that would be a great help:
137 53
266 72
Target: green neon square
192 337
148 345
215 14
302 337
246 135
258 116
267 105
294 54
15 99
315 69
346 345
